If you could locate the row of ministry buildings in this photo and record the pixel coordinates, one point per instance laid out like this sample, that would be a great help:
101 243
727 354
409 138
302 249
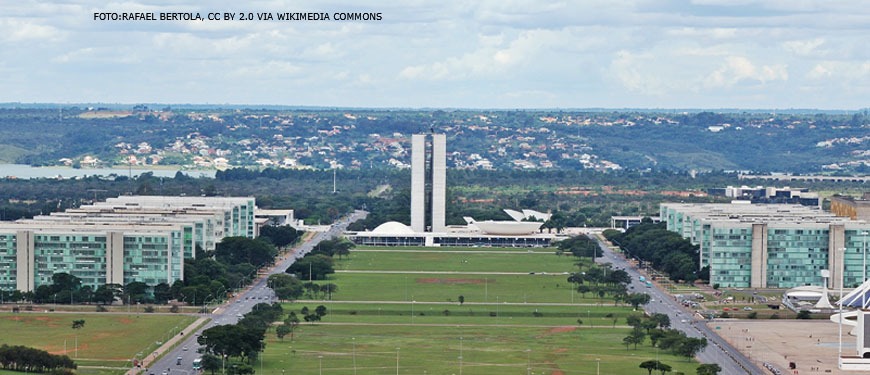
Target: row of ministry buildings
772 245
121 240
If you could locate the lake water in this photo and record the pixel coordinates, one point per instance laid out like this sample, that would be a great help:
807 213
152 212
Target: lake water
24 171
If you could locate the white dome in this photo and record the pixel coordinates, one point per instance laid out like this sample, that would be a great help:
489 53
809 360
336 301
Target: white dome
393 227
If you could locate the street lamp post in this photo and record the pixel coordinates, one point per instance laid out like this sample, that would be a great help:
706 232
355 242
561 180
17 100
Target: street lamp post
528 361
460 356
840 301
864 269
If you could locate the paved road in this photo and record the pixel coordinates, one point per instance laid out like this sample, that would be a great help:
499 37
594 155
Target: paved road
717 351
180 359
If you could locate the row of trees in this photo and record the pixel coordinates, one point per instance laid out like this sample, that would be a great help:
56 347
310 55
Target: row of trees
664 250
242 341
23 359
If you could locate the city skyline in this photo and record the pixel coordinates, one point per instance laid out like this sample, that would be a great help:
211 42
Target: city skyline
489 54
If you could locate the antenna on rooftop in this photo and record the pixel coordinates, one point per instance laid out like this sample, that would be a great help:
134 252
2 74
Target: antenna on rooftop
333 180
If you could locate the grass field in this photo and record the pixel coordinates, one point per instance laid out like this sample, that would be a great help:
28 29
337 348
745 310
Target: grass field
404 304
106 340
448 287
478 261
436 350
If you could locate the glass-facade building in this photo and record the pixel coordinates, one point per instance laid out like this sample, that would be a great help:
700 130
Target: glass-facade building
143 239
772 245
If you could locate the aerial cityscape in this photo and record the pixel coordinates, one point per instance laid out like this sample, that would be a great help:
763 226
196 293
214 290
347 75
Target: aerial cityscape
495 187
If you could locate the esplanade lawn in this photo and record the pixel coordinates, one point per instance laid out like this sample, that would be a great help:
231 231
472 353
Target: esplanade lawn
397 310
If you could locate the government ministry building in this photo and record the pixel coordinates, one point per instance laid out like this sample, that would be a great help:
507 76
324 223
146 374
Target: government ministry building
119 241
772 245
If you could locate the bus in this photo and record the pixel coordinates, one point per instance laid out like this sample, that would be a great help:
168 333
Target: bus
197 364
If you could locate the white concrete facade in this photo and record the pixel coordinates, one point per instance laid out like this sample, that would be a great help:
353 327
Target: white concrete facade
418 182
435 176
439 182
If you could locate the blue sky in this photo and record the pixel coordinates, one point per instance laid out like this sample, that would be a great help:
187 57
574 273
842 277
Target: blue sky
466 54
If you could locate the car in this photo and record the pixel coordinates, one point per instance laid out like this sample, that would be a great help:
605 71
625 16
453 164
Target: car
238 315
184 349
747 308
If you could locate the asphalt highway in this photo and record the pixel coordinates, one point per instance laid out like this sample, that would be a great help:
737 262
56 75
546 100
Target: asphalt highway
180 359
718 351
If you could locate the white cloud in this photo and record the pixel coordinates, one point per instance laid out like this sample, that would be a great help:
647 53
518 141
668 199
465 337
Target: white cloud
819 72
610 53
804 47
737 69
23 30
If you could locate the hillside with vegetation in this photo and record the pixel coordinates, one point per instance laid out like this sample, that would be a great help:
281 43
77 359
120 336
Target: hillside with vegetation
222 138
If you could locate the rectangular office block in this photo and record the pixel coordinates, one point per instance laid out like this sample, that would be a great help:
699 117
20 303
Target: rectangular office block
418 182
439 182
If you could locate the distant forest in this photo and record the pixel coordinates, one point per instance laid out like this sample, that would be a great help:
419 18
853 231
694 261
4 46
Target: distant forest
582 198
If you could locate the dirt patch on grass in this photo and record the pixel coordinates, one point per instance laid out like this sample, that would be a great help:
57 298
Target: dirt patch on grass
562 329
555 330
126 321
36 320
561 350
436 280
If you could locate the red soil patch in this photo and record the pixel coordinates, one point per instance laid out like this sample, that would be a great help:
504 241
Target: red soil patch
126 321
435 280
557 372
562 329
561 350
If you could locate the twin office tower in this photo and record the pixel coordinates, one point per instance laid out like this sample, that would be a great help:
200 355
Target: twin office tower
428 182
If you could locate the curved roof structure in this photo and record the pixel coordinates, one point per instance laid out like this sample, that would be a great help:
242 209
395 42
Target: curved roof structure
508 227
393 227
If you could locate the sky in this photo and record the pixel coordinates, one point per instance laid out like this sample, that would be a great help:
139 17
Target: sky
773 54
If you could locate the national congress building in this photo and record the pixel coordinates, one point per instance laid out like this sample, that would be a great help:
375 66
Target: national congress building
771 245
125 239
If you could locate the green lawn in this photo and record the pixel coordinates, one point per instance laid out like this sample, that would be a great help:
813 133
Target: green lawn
109 340
508 323
436 350
489 261
491 314
448 287
549 250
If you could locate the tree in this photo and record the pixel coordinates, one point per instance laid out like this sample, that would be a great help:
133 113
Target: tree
211 363
461 299
320 311
650 365
105 294
691 346
329 288
709 369
77 324
637 299
286 287
136 291
314 267
804 314
279 236
663 367
291 322
237 250
283 330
